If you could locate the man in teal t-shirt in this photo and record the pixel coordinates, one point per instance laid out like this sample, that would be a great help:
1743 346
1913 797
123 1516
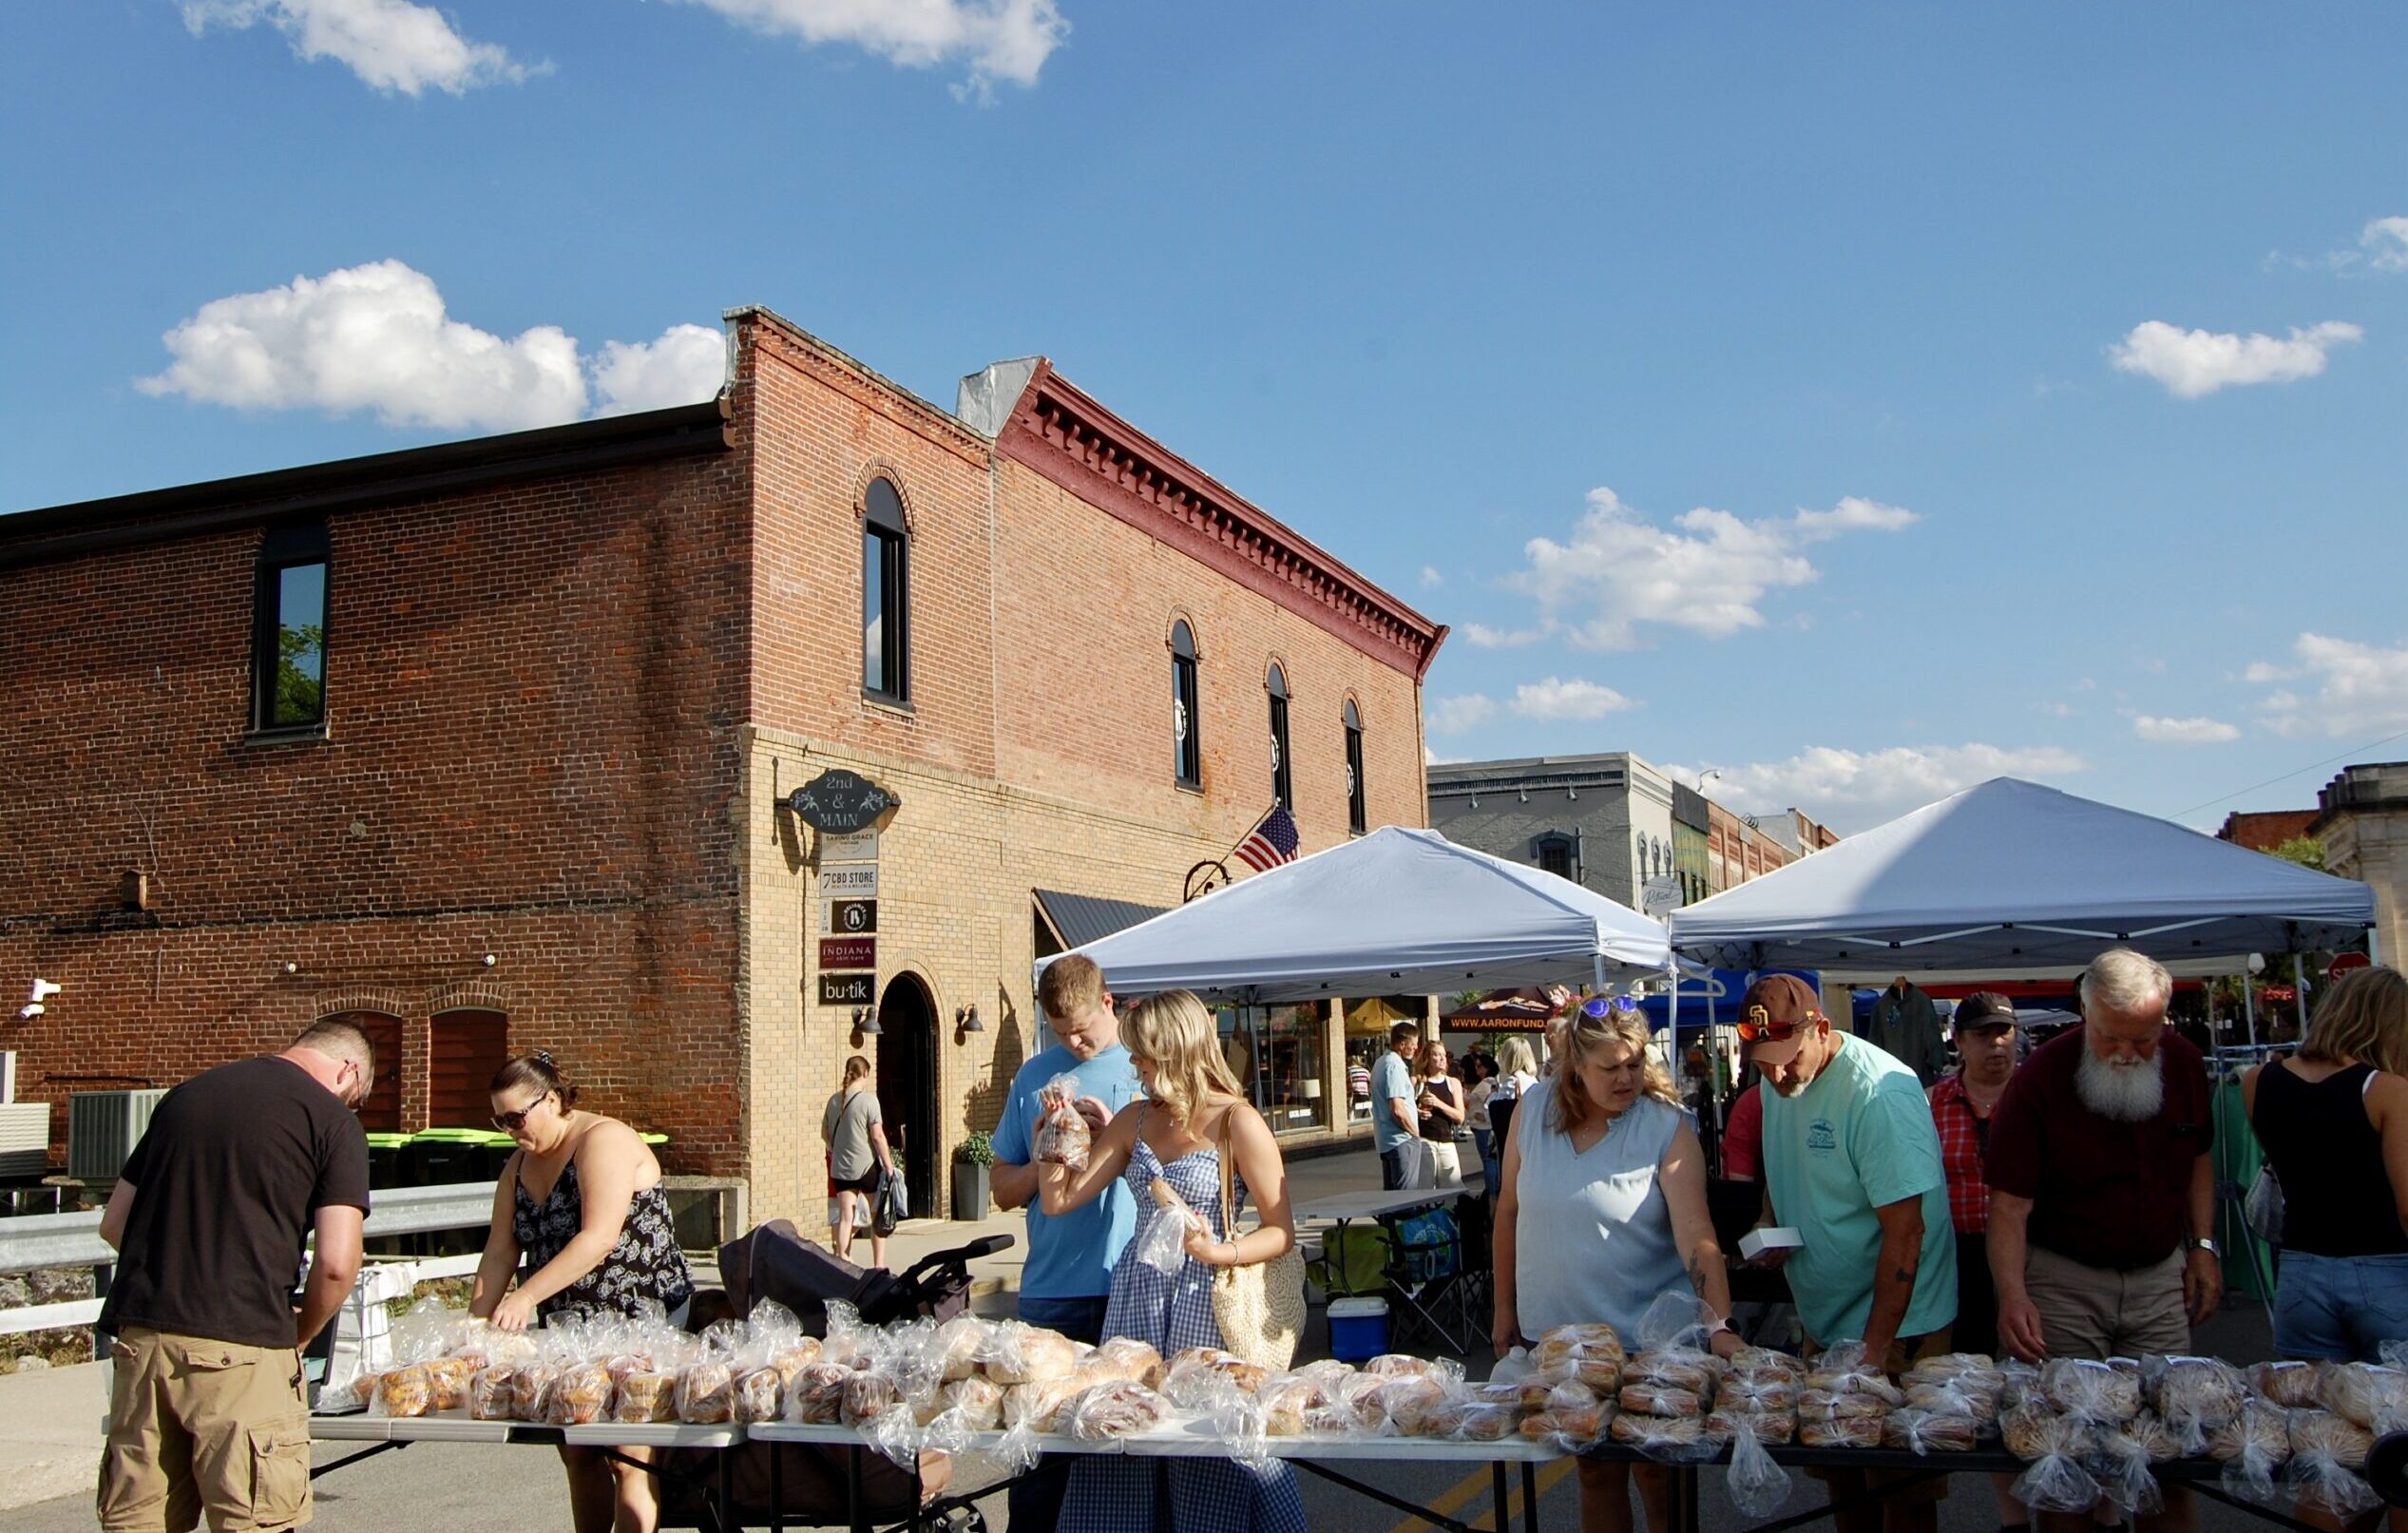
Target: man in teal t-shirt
1851 1162
1066 1284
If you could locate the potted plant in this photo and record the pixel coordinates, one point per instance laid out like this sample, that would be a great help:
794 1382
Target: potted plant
973 1176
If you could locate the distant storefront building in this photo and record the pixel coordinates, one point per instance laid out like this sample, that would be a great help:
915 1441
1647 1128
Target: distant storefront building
2362 821
493 746
1605 822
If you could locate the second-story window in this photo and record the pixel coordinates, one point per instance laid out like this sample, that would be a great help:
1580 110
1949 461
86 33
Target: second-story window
1282 783
1356 819
1186 704
287 629
886 592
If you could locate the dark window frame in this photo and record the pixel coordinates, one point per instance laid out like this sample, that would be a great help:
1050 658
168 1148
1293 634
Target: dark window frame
1563 844
1187 706
293 545
1283 776
886 531
1358 814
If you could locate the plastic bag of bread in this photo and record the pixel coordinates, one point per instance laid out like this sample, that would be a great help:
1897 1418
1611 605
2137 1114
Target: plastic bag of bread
1017 1353
1660 1400
2326 1451
1960 1396
2022 1384
1399 1364
2122 1468
1062 1137
2193 1395
2251 1447
1467 1420
1845 1369
867 1396
959 1345
2292 1386
1592 1353
1945 1365
531 1389
404 1391
2092 1390
1771 1430
1758 1486
491 1396
1201 1369
760 1394
1822 1404
1125 1357
580 1397
1764 1364
1401 1407
1840 1431
645 1397
2055 1448
2366 1395
1690 1369
1572 1418
1667 1438
817 1398
448 1383
1037 1407
1758 1396
1103 1411
979 1403
1927 1431
706 1393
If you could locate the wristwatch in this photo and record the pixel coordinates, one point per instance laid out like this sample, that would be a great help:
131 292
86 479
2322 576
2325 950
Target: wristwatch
2200 1242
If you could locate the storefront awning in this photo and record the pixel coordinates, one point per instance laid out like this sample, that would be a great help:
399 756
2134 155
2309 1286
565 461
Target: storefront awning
1079 919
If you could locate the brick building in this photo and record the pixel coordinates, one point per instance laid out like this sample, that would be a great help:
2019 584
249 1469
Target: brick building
487 744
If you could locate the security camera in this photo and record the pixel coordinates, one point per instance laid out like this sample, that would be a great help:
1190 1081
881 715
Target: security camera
31 1010
43 990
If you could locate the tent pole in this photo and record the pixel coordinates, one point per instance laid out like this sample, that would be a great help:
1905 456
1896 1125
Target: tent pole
2249 1003
1673 1024
2298 982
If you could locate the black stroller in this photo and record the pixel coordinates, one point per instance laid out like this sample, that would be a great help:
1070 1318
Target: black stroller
807 1484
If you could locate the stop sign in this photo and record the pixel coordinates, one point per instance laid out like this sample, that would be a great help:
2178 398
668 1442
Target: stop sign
2343 963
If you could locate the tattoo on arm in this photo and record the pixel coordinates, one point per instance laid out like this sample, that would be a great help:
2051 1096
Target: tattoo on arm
1904 1274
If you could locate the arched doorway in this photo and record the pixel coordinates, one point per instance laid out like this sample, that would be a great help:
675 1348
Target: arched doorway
906 1086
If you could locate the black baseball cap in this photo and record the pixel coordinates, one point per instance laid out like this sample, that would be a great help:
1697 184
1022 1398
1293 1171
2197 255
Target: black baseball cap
1984 1008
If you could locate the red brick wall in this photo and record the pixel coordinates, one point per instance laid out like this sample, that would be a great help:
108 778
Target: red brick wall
534 694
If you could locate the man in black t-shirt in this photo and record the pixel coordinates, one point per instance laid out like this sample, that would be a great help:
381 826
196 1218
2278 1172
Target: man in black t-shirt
240 1164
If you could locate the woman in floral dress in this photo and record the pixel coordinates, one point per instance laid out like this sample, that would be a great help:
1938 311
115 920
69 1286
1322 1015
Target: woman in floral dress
1194 1112
581 1201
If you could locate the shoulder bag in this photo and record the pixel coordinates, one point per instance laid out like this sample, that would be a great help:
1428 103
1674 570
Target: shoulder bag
1260 1306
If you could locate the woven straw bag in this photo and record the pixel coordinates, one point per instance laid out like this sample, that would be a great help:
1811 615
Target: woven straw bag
1260 1307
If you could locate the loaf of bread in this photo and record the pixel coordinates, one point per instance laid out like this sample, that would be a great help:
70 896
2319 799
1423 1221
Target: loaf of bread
2098 1392
2323 1434
580 1397
1772 1428
961 1343
1840 1431
1763 1363
1656 1432
792 1359
1661 1400
1758 1395
867 1396
1946 1365
1405 1404
1037 1407
759 1395
1676 1368
1594 1353
2197 1391
1023 1354
448 1382
1960 1396
2290 1385
1468 1421
1124 1357
1392 1365
1867 1382
1822 1404
1570 1423
2366 1396
643 1397
817 1398
1926 1431
1120 1408
2261 1431
2151 1436
2032 1432
706 1394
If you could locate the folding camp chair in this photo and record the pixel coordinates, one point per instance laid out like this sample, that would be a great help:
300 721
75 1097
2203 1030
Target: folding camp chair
1433 1296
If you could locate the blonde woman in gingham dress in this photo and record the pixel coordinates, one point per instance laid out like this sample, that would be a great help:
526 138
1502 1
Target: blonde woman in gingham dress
1194 1113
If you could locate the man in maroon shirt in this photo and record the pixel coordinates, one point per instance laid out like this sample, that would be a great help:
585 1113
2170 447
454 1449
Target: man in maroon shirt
2102 1191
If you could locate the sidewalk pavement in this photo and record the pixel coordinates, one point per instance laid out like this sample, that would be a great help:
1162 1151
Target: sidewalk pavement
52 1421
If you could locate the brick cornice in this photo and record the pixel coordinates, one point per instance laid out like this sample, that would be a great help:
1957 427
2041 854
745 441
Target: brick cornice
1059 431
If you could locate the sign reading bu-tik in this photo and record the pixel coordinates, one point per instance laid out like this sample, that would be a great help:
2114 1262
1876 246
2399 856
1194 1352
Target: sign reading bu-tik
847 952
847 990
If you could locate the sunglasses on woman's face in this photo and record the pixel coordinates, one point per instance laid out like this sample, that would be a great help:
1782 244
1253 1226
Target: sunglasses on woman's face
512 1122
1757 1026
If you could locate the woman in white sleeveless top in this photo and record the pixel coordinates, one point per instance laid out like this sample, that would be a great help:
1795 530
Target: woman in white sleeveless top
1603 1208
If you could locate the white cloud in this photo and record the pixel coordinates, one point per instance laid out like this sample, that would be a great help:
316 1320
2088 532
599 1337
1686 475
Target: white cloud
684 364
2055 710
377 338
391 43
2194 362
1557 699
1430 575
2200 731
1707 573
2360 689
1480 636
2385 243
1855 790
1458 716
1000 39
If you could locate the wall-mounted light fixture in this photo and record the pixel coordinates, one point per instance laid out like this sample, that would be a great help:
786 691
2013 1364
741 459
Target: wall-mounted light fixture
865 1022
966 1021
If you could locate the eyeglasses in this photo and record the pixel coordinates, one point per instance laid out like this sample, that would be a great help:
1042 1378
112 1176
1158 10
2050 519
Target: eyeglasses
512 1122
1757 1026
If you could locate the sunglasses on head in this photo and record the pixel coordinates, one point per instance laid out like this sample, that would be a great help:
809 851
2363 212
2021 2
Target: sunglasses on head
512 1122
1757 1026
1599 1008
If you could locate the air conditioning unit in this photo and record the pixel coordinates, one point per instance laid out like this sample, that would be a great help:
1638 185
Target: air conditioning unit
25 1141
102 1127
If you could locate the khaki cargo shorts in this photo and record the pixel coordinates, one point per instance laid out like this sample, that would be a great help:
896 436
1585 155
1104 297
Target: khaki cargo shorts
199 1426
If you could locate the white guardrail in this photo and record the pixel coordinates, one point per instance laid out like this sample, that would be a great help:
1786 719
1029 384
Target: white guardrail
36 1240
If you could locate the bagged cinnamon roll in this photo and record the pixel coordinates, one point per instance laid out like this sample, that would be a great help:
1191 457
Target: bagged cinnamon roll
2290 1385
1103 1411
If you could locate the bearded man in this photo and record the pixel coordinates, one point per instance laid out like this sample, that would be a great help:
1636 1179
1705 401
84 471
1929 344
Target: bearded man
2102 1192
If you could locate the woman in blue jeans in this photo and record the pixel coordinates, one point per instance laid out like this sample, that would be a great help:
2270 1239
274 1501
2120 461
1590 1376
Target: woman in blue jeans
2334 1122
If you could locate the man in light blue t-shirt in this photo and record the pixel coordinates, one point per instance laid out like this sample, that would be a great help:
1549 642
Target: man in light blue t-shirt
1066 1284
1395 1123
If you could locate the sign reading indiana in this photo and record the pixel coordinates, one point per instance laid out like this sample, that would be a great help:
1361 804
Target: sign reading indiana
841 802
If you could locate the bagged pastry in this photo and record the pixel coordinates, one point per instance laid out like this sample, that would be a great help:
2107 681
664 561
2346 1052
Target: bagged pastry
977 1402
1839 1431
1758 1486
2327 1450
1845 1370
532 1389
1774 1430
2260 1428
490 1394
1684 1370
1822 1404
645 1397
760 1394
1062 1137
1572 1418
869 1396
1592 1353
580 1397
1658 1434
404 1391
1025 1355
2121 1468
448 1383
1764 1364
1124 1357
1757 1395
1037 1407
2290 1385
1103 1411
1925 1432
817 1398
1960 1396
706 1394
1397 1364
2054 1446
2193 1396
1946 1365
2095 1391
1660 1400
2367 1397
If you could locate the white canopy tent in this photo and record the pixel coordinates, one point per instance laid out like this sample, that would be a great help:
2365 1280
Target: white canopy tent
1395 912
2011 880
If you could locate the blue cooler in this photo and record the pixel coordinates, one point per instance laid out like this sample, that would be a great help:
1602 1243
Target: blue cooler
1358 1329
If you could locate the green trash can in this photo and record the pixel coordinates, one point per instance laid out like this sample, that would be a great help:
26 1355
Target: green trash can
385 1154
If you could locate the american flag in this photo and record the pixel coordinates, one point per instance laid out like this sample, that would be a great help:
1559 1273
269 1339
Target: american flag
1272 842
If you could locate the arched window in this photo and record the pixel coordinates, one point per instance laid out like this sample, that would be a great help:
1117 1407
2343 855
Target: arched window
1186 705
1282 784
1356 820
885 595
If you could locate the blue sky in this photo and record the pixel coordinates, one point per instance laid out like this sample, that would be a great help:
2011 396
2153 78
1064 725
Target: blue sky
1859 402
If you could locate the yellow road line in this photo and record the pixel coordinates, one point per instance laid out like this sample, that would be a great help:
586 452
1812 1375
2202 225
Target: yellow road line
1477 1484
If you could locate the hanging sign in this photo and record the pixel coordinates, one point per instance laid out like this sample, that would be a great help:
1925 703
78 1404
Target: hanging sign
847 952
858 846
850 881
842 802
852 917
847 990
